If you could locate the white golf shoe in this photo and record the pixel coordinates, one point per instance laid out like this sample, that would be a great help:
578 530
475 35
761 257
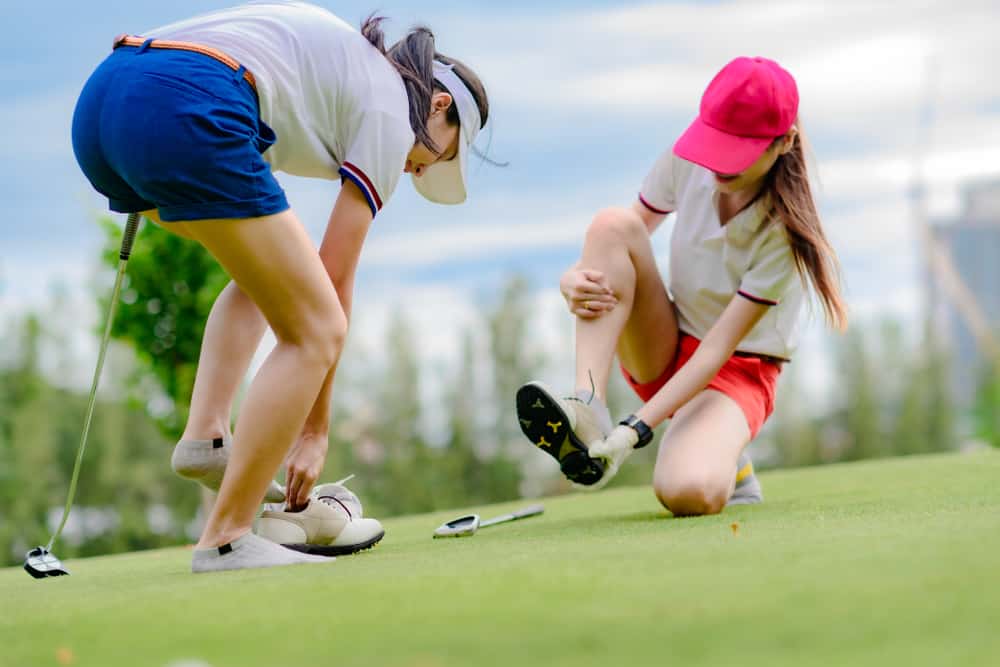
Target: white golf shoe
563 428
330 525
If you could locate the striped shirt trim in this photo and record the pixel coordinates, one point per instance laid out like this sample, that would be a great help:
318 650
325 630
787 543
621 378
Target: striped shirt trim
360 179
651 207
757 299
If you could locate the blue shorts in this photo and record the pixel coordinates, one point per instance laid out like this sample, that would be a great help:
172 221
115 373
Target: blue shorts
176 131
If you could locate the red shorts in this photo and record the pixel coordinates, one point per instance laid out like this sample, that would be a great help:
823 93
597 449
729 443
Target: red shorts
748 380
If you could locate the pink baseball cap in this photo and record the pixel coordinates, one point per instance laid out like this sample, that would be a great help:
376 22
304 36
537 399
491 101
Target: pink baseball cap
748 104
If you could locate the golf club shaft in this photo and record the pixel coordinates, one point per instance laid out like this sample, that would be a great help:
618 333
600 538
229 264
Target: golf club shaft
513 516
131 227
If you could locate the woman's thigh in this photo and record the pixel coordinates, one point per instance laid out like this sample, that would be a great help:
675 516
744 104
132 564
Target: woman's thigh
178 228
275 263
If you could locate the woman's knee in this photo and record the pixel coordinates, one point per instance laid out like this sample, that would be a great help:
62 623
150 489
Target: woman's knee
691 494
615 224
320 332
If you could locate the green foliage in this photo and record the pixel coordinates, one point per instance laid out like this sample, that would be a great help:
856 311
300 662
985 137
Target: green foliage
986 411
124 474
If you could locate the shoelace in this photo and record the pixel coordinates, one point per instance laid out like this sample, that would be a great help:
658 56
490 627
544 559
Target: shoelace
334 501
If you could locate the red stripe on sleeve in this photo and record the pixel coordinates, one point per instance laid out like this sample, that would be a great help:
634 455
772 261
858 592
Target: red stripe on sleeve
364 177
651 207
757 299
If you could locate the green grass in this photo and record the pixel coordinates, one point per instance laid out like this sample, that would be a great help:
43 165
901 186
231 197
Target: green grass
884 563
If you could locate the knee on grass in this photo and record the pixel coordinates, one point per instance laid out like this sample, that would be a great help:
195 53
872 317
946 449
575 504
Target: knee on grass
691 495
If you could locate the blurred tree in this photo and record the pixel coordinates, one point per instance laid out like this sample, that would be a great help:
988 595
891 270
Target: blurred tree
924 420
513 361
477 474
861 385
122 475
31 481
794 430
986 411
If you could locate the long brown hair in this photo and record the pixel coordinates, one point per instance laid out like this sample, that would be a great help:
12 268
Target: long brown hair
791 201
413 57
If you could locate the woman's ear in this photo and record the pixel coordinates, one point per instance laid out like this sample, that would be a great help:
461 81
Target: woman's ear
789 140
440 101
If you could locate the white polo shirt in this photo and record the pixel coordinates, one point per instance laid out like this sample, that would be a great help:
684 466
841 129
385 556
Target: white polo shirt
337 105
710 263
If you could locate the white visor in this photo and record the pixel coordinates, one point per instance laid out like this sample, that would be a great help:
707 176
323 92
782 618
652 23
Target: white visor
444 182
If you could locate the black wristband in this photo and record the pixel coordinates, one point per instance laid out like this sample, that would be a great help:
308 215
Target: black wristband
641 428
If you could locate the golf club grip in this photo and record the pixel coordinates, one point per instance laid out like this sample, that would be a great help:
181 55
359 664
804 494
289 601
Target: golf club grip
131 228
524 513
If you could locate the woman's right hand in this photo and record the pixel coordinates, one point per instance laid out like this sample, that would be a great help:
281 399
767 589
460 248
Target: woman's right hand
587 292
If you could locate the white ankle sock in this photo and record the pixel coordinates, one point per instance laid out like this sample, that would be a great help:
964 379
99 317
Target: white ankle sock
599 408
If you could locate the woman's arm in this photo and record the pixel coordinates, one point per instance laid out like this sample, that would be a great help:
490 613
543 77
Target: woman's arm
651 218
736 321
341 247
339 252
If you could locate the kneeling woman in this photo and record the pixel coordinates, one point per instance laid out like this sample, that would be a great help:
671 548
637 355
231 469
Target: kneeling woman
185 125
707 352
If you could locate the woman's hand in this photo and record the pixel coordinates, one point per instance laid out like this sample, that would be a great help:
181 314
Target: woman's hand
587 292
304 464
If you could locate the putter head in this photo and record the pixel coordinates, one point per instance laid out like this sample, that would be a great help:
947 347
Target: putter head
41 563
463 526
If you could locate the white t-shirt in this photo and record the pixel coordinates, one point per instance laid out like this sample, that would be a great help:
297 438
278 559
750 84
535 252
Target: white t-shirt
710 263
337 106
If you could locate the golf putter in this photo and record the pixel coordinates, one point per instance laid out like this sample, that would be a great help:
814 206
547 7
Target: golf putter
466 526
40 562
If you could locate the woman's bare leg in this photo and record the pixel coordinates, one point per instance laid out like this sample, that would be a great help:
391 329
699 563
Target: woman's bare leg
642 328
276 265
696 464
232 334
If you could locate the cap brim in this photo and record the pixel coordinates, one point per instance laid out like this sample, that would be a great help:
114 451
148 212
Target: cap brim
718 151
444 182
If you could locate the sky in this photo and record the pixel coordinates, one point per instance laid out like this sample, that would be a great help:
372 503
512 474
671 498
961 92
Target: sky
583 98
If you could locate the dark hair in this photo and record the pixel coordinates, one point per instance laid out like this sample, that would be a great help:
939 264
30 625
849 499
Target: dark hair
413 57
792 202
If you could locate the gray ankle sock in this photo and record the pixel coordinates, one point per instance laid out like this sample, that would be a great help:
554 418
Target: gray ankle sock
597 405
747 491
249 551
204 461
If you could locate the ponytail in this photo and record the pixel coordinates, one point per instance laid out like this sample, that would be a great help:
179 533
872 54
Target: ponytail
792 202
413 57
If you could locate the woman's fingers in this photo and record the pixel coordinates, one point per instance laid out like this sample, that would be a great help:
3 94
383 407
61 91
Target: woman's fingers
295 488
587 293
597 278
589 310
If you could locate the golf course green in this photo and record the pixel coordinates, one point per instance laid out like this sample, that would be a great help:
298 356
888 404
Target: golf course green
893 562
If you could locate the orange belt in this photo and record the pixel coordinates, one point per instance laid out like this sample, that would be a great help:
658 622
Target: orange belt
132 40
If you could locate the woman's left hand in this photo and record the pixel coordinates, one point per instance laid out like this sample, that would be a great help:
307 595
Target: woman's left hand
304 464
